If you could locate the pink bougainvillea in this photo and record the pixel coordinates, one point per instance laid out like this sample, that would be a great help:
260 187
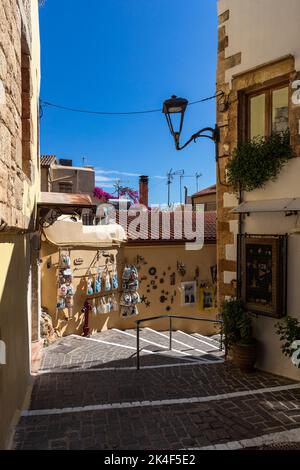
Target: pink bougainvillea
130 193
101 194
123 192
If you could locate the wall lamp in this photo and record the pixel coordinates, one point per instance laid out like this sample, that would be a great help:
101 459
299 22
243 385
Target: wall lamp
176 105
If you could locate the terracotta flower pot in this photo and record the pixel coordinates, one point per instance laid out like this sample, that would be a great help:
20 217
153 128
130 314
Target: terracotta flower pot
244 356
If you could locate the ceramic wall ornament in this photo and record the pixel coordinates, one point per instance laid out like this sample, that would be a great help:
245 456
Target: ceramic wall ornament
154 287
147 303
172 300
162 299
148 291
139 259
161 280
152 271
152 283
173 279
181 268
168 308
78 261
143 299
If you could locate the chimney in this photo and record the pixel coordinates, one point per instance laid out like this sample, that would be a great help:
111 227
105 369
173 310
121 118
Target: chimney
144 190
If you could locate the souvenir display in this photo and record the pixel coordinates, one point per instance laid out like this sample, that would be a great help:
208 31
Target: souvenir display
65 289
130 297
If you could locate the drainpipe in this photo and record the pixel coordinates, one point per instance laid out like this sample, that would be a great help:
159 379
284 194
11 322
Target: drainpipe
240 231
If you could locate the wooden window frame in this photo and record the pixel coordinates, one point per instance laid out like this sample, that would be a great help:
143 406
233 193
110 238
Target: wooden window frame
244 130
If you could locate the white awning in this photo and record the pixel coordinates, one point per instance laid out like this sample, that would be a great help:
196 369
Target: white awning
270 205
66 232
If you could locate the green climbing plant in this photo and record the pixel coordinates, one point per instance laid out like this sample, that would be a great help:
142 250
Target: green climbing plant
256 161
288 330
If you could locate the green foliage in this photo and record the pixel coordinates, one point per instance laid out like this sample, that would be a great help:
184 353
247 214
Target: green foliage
259 160
237 326
288 330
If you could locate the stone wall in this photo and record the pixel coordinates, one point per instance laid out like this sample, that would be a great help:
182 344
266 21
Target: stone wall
19 129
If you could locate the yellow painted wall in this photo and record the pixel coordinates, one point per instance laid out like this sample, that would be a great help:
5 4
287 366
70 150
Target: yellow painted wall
164 258
161 257
14 328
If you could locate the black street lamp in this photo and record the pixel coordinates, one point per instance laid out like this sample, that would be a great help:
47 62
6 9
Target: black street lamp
176 105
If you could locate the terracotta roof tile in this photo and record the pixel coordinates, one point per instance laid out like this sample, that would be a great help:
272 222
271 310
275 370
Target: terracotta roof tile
47 160
162 231
210 190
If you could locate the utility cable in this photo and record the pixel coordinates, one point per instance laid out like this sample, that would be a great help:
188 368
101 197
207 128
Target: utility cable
44 104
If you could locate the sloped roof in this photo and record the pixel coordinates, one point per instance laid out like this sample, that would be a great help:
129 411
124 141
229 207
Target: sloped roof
210 190
147 233
47 160
65 199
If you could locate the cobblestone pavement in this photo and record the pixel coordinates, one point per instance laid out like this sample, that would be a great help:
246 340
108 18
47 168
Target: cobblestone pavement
82 403
114 348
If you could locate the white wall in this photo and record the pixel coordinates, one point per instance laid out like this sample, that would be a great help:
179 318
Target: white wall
264 31
274 32
271 357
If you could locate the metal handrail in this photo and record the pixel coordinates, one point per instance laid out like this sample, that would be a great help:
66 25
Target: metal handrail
170 331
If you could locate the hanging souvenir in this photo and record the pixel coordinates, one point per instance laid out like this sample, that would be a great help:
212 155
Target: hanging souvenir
63 290
115 281
67 272
90 289
70 290
61 304
69 302
98 281
125 299
115 304
94 308
106 306
135 298
65 261
107 282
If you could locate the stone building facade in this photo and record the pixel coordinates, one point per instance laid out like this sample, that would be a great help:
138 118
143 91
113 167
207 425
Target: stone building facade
254 61
19 190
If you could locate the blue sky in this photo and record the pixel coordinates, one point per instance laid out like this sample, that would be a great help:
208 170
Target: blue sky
123 55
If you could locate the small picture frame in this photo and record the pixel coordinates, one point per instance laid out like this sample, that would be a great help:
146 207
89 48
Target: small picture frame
188 293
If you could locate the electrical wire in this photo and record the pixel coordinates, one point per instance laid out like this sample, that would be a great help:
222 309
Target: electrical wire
44 104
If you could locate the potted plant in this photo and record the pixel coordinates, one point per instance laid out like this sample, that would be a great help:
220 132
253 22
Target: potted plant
257 161
237 329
